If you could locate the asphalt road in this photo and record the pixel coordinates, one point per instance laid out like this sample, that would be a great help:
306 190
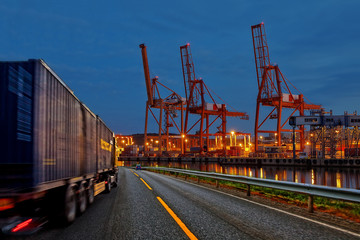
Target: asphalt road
134 211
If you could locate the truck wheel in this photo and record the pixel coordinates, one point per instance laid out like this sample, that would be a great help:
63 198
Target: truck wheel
82 198
90 192
70 205
115 183
108 184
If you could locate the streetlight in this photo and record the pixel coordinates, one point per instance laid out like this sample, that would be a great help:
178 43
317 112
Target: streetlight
157 144
182 143
232 135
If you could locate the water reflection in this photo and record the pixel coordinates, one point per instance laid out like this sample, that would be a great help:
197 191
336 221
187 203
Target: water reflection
340 177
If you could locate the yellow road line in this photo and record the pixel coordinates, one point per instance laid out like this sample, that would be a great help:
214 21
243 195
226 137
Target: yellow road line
178 221
136 174
146 184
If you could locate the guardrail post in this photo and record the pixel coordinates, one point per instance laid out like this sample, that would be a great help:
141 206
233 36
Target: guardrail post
176 174
186 177
248 193
217 183
311 204
198 179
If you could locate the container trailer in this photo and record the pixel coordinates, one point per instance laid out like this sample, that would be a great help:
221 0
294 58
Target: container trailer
54 152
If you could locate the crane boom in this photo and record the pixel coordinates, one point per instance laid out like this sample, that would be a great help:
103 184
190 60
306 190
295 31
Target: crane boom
261 50
147 73
192 89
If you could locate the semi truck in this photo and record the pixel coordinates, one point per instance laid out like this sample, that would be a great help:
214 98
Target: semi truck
56 155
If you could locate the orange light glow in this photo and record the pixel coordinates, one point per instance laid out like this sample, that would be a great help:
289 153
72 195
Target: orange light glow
6 203
338 180
312 177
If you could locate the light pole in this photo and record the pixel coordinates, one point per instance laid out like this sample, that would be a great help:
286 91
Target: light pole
294 151
232 135
312 145
182 143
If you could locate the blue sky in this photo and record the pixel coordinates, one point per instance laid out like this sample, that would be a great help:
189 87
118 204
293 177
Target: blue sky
94 47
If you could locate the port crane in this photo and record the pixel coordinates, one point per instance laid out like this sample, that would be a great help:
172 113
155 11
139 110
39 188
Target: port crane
168 109
275 91
195 92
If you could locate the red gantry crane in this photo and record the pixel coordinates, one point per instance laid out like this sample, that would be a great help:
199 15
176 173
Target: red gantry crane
275 91
195 91
167 106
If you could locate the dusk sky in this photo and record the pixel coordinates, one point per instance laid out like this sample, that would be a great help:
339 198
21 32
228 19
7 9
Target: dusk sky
94 47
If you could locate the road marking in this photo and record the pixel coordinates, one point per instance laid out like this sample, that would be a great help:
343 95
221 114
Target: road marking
178 221
136 174
275 209
146 184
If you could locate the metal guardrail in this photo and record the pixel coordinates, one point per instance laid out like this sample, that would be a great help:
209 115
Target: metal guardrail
351 195
254 161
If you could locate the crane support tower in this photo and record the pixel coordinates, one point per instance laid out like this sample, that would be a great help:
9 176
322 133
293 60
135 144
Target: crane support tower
167 106
275 91
195 91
